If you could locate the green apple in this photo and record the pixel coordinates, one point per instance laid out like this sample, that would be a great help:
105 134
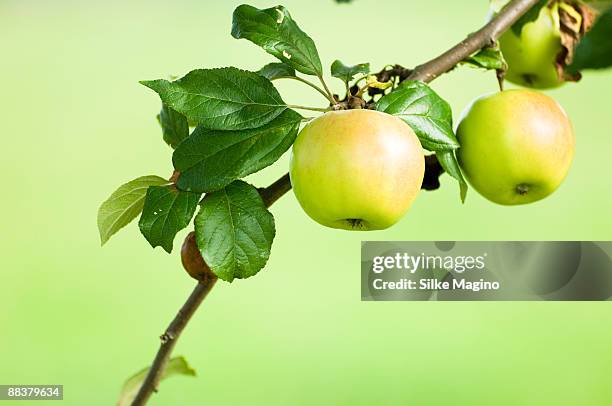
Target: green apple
356 169
532 55
516 146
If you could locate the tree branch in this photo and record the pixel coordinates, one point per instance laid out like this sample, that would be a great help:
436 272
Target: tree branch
197 268
276 190
474 42
169 338
425 72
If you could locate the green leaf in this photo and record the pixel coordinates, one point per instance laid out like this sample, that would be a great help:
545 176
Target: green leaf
175 127
274 30
347 73
277 70
487 58
209 160
594 51
124 205
166 211
222 99
175 366
448 160
422 109
234 231
528 17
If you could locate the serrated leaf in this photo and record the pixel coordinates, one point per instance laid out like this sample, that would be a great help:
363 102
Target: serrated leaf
594 51
347 73
222 99
448 161
210 159
175 366
166 211
487 58
124 205
175 127
425 112
528 17
234 231
277 70
274 30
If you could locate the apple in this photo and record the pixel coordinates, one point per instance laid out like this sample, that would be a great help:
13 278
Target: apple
532 55
516 146
356 169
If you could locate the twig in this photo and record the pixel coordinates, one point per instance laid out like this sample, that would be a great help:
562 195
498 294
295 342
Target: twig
276 190
323 110
425 72
307 82
206 282
474 42
169 338
329 93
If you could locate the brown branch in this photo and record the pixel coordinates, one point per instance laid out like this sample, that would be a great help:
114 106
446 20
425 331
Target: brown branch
276 190
474 42
169 338
425 72
196 267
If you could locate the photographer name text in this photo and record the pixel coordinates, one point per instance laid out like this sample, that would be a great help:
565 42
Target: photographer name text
452 266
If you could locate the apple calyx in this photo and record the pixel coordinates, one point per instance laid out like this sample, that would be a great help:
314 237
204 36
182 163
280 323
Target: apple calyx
356 224
522 189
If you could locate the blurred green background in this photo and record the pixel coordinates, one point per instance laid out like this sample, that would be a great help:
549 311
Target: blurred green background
76 124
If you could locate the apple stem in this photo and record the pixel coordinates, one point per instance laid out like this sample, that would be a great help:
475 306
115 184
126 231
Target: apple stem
501 74
293 106
317 88
330 95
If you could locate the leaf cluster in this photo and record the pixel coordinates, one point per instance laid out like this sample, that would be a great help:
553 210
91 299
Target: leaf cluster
227 123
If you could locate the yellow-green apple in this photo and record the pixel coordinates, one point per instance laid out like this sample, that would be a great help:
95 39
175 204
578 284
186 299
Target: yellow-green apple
532 55
356 169
516 146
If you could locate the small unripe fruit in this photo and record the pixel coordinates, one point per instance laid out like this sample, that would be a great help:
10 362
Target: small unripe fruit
516 146
356 169
193 262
